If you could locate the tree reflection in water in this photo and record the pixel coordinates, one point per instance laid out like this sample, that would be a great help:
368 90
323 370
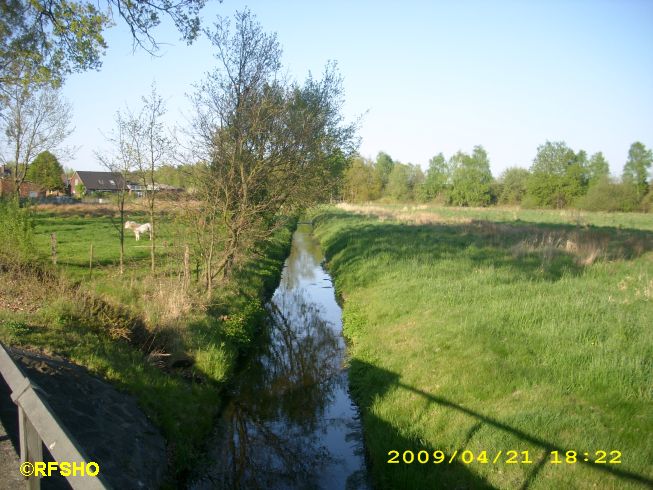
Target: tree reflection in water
292 424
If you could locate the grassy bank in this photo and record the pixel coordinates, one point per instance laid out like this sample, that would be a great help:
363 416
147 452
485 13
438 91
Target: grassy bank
141 332
498 334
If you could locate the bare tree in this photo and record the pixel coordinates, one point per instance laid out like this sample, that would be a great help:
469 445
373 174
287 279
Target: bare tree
266 145
139 145
121 160
33 120
153 149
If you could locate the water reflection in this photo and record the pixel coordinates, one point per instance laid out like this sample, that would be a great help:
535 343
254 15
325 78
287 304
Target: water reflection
292 423
303 262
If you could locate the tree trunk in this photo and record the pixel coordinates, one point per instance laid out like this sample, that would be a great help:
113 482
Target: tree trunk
122 233
209 269
152 236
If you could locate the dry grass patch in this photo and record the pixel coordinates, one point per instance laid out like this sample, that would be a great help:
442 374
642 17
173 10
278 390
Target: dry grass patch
586 247
92 210
17 293
412 214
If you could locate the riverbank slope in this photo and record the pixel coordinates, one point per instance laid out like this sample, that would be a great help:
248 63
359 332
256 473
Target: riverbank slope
489 337
137 331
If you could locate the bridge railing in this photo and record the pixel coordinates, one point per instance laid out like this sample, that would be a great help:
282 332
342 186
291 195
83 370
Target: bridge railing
39 425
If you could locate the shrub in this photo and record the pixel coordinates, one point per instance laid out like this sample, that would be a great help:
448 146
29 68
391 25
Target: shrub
240 327
647 202
15 330
512 185
16 232
607 195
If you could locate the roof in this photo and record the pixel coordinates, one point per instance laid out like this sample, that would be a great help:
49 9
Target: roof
100 181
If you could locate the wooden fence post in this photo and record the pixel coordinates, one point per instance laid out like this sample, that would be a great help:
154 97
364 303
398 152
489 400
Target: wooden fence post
186 266
53 247
90 263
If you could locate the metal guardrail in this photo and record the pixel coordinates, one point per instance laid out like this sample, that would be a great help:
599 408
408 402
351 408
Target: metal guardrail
38 424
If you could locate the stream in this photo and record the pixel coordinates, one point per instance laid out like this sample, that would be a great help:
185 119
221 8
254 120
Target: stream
291 422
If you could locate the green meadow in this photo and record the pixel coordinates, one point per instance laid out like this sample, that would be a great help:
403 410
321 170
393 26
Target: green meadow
508 214
131 329
472 332
77 230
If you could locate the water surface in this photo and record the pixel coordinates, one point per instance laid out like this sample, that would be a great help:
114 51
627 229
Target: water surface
291 423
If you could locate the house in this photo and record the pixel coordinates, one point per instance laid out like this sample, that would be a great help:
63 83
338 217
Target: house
96 182
165 188
8 186
139 190
27 189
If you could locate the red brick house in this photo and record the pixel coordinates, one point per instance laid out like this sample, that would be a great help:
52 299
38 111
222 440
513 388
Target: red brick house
27 189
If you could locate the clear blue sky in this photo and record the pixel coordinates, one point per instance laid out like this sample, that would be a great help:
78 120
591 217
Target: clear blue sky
430 76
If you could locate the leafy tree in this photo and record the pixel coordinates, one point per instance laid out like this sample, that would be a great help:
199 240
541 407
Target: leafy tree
646 204
471 179
437 177
581 158
580 170
46 171
512 183
384 165
637 166
176 176
577 175
398 187
416 180
557 176
361 182
44 40
265 145
597 168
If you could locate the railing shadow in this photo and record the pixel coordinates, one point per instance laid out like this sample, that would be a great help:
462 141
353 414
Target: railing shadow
369 375
371 383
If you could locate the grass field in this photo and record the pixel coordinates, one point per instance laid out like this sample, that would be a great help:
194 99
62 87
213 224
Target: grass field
498 330
116 325
504 214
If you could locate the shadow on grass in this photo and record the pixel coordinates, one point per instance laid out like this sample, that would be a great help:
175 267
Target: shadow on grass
373 382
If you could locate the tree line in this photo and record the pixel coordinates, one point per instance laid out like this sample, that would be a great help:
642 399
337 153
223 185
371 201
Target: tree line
559 177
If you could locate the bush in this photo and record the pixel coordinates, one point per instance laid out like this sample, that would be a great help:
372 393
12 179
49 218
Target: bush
512 185
16 232
647 202
15 330
240 327
606 195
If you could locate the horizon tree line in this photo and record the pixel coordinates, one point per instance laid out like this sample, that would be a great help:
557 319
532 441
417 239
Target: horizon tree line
557 178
